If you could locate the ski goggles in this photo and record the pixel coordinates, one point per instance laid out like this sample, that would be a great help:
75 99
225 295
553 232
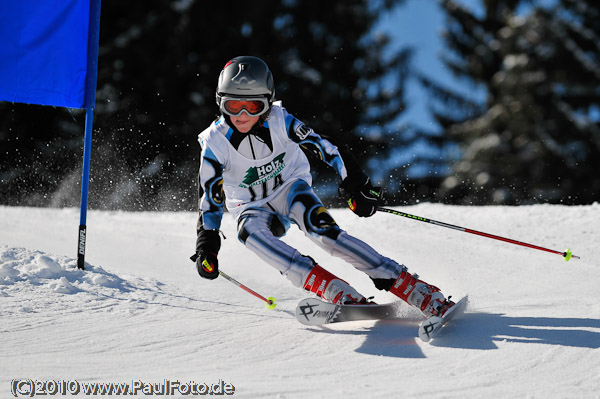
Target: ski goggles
234 106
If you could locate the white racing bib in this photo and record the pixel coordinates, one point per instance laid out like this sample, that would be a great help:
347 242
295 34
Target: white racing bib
252 182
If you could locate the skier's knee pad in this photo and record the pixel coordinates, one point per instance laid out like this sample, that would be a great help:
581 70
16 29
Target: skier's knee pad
319 221
275 225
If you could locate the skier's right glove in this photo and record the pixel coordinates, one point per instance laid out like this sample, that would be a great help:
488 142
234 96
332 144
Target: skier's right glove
207 265
208 244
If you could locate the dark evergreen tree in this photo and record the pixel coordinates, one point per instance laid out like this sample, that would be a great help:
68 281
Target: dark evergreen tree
537 137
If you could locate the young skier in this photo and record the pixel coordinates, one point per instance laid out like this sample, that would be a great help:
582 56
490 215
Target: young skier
252 159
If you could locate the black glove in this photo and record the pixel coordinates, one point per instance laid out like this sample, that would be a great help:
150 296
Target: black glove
363 198
208 244
207 265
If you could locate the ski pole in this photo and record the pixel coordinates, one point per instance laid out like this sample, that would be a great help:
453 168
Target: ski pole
270 300
567 255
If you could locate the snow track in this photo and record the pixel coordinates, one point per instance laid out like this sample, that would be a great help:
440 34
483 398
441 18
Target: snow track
140 312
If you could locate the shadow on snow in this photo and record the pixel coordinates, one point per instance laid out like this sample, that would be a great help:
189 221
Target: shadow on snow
479 331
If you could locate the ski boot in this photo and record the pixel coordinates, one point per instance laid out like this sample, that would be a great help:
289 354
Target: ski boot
425 297
332 289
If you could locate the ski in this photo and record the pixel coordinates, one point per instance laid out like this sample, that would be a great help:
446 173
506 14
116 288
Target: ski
431 327
314 312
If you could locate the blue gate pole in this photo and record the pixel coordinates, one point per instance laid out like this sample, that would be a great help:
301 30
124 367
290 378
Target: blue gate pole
90 103
85 179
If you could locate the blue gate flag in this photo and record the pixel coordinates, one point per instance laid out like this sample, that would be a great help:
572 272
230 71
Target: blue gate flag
44 52
49 56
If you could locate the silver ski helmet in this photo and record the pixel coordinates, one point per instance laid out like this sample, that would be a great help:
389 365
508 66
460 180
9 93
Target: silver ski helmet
245 77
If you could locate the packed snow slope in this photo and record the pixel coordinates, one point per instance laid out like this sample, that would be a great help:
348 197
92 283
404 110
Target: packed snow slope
140 312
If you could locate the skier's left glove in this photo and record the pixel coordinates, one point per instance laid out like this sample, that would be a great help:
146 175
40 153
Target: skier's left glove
363 198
